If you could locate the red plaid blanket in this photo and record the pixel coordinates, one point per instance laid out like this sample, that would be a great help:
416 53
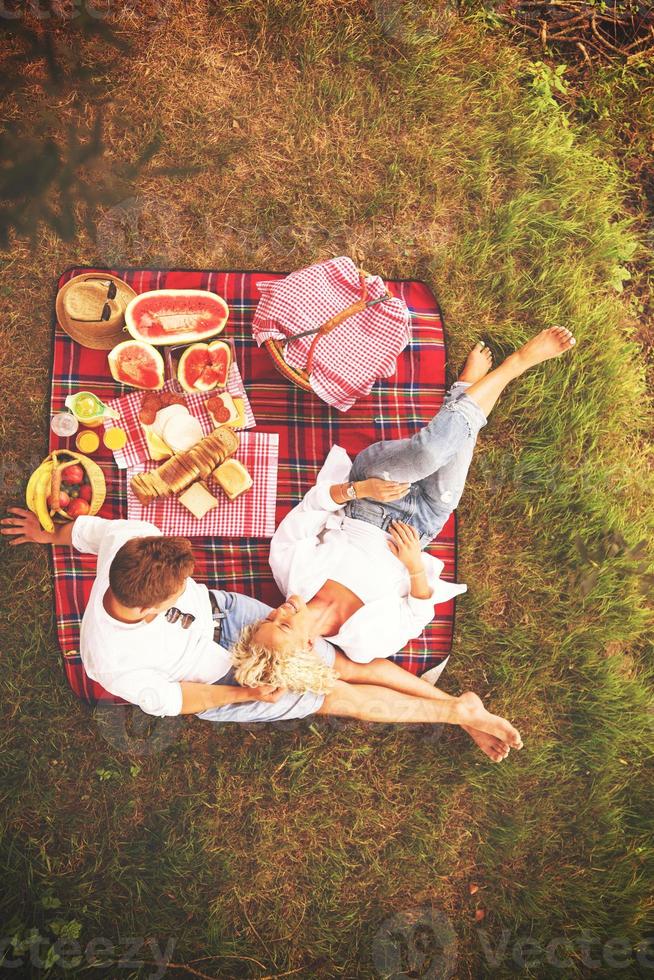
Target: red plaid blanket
307 429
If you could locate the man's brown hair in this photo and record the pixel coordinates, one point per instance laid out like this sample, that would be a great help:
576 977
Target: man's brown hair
146 571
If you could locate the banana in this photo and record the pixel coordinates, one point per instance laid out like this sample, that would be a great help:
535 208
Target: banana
41 491
45 482
30 490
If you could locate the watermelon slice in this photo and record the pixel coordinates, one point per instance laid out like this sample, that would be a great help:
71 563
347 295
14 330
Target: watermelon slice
176 316
137 364
204 366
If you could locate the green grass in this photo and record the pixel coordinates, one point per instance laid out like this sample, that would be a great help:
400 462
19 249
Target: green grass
417 148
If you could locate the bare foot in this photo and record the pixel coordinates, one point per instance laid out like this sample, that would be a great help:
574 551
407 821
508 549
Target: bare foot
493 747
550 342
474 715
478 363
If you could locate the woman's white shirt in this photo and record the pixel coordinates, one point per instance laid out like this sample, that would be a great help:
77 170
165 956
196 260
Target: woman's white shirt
316 542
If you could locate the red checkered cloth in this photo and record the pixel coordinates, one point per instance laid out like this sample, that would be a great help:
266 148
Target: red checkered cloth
307 429
135 450
349 359
251 515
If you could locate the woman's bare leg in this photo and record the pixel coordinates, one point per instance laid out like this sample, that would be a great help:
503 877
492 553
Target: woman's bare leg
368 702
385 673
550 342
478 363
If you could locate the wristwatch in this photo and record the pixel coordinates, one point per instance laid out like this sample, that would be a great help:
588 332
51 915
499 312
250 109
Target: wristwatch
351 492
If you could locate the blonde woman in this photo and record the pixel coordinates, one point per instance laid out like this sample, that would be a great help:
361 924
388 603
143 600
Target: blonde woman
350 557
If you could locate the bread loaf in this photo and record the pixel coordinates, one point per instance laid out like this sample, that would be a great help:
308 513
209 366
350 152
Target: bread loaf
182 469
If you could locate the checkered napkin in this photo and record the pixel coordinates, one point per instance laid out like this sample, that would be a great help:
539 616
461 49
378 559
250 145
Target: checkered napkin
354 355
135 450
251 515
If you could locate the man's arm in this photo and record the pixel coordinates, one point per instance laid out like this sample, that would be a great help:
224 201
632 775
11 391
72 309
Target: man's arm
201 697
24 528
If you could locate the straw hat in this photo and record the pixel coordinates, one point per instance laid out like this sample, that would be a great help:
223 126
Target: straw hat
91 309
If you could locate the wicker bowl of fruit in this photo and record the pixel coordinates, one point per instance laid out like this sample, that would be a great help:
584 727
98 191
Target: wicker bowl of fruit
66 485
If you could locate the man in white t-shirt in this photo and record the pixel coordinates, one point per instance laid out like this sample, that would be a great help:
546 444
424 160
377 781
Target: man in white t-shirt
149 636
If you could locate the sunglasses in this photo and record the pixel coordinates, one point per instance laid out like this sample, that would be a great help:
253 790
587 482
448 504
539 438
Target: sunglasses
106 309
173 614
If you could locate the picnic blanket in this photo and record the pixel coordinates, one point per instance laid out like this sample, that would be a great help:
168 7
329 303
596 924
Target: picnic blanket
307 428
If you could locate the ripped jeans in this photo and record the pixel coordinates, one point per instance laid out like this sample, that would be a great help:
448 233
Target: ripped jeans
435 461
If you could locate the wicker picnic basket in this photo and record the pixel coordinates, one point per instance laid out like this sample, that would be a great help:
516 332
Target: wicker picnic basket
300 377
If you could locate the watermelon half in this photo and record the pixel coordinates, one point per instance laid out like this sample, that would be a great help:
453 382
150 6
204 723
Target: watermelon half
137 364
176 316
203 367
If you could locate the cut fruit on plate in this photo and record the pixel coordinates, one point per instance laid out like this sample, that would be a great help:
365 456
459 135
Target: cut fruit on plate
137 364
176 316
233 478
203 367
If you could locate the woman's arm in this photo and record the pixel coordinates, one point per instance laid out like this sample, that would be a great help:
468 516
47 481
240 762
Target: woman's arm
297 537
405 544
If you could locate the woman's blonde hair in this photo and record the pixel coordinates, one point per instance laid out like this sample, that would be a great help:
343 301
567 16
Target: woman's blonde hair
296 670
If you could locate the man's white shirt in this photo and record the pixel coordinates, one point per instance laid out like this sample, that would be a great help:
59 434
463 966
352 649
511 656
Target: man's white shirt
143 663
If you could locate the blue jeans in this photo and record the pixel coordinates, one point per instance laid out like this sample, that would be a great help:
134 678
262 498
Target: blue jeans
435 461
235 612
